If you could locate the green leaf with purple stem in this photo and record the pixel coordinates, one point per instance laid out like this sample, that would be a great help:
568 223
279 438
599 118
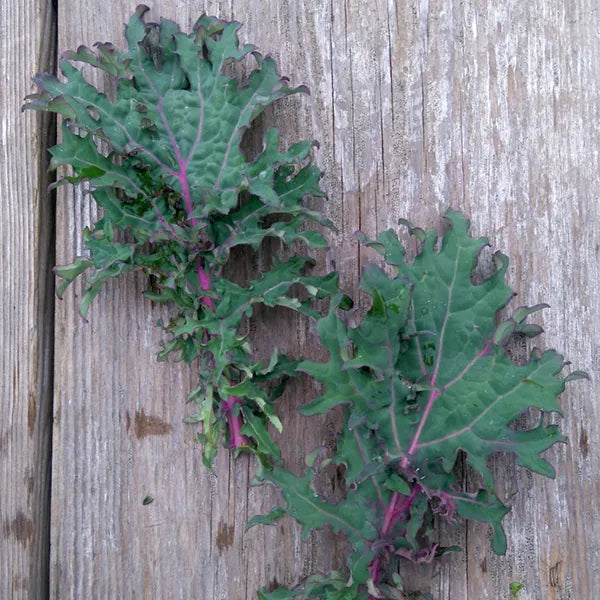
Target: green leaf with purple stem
424 377
162 157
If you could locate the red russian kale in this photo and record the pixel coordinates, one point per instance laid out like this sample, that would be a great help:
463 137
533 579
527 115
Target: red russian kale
163 161
424 377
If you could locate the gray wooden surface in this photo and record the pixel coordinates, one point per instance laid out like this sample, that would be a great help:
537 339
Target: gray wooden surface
487 107
27 45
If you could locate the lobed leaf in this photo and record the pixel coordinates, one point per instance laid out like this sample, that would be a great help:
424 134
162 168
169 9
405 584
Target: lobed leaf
162 158
424 377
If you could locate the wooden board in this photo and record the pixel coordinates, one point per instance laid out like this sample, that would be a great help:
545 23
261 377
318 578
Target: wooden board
491 108
27 45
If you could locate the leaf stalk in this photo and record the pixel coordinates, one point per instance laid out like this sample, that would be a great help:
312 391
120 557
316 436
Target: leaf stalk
396 511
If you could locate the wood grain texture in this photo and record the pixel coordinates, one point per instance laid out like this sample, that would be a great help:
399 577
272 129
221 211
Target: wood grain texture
27 45
490 108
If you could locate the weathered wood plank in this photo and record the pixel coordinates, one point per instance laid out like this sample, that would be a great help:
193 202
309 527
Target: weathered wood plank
27 36
418 105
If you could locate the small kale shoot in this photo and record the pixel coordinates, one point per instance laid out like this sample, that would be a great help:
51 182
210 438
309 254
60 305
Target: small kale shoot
424 378
163 161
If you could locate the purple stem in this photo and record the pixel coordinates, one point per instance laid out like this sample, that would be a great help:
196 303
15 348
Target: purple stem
396 509
236 438
234 420
204 279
